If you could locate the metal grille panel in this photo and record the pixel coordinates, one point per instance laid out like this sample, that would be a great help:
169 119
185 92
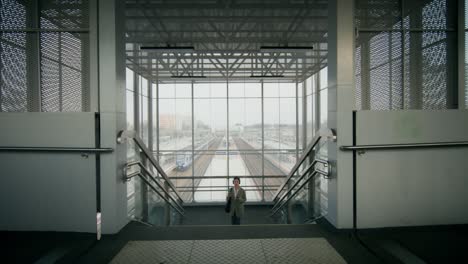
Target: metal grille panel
65 14
425 82
396 72
466 55
435 16
377 14
50 87
13 89
61 72
50 72
379 94
466 70
71 90
12 14
406 72
434 94
358 78
379 71
72 50
63 84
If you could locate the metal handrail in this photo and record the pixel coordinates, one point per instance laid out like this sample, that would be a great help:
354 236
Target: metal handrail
161 195
303 174
404 146
122 135
328 133
151 176
315 173
57 149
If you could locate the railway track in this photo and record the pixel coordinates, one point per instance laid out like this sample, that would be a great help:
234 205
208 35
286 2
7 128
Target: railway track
201 163
253 161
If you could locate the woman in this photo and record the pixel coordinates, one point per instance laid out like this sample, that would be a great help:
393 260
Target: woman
237 196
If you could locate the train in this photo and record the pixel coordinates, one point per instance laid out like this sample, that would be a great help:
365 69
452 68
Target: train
184 159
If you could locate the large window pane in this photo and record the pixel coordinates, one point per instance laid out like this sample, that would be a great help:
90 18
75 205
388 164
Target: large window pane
175 124
143 97
205 166
300 90
271 123
271 89
215 188
287 118
155 118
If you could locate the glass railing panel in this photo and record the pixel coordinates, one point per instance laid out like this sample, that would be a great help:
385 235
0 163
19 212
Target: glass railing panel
131 156
156 208
299 206
176 218
150 193
321 187
275 172
140 197
303 199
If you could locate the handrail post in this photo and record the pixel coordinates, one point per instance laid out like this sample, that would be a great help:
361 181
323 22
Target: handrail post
144 191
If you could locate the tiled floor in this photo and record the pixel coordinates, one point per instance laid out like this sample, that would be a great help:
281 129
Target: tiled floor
284 250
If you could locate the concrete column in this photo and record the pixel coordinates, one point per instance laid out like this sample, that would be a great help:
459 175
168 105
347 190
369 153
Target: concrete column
341 103
111 68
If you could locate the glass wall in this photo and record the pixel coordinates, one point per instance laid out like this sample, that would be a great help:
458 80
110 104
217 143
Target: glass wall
144 99
211 141
322 90
175 134
245 136
210 132
206 133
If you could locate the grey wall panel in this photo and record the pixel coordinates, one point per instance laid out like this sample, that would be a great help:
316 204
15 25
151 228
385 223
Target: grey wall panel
412 187
411 126
47 130
113 187
48 192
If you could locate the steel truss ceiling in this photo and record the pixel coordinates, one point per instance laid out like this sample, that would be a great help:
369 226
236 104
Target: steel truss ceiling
226 36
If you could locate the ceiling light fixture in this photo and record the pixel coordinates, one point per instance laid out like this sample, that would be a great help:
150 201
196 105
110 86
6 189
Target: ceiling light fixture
285 49
186 49
266 76
188 76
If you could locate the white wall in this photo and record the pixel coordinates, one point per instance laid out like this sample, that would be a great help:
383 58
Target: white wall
340 96
47 191
113 114
412 187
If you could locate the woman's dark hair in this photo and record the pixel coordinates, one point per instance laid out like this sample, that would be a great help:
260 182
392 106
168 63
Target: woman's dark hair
236 178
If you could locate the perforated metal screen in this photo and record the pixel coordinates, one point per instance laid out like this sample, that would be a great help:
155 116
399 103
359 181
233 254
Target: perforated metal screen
69 14
61 72
13 72
421 77
466 54
41 67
